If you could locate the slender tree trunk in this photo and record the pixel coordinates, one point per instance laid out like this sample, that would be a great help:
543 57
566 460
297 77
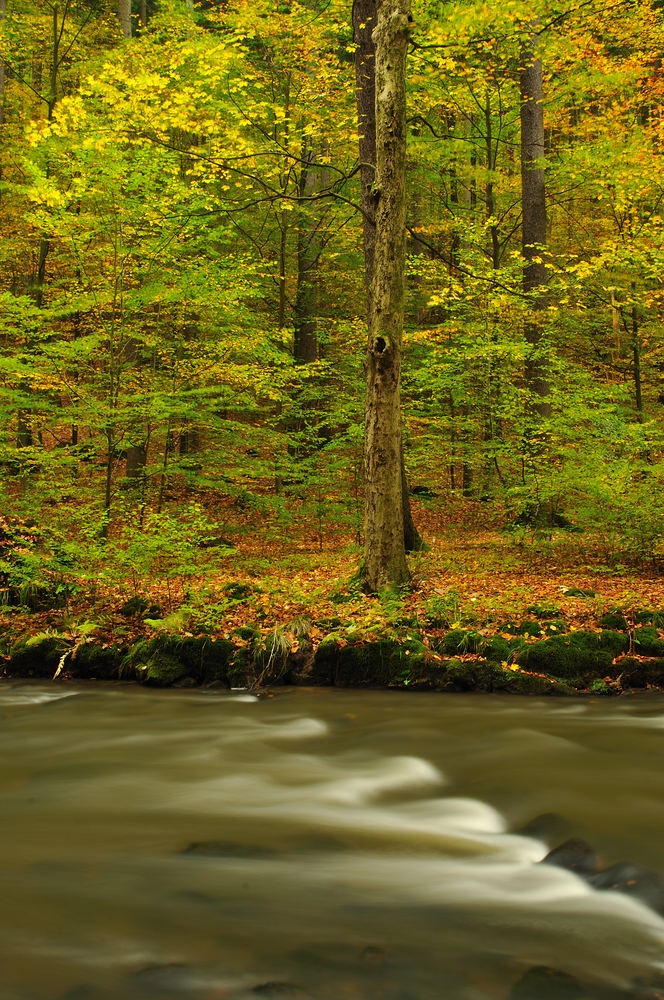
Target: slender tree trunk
305 342
533 188
384 549
3 13
364 23
124 17
144 13
636 355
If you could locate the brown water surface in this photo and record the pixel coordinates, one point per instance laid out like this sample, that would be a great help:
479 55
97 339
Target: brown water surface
342 844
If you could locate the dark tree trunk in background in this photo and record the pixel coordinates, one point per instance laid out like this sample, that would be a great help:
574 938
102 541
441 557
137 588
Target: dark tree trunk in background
364 22
533 189
305 341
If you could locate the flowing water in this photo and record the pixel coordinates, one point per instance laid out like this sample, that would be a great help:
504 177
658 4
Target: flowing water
331 844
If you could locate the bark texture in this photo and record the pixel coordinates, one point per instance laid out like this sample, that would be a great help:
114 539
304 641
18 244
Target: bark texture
364 23
384 550
533 191
3 12
124 17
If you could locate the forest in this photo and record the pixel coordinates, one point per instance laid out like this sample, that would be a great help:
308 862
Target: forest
195 199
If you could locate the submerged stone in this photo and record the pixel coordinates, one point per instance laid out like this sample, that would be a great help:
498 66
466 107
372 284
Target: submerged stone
542 983
644 885
575 855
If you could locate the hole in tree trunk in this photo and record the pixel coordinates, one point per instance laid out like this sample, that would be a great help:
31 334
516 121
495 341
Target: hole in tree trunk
381 344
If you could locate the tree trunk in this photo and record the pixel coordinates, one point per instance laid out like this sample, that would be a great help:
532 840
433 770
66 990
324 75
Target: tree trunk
364 22
533 188
636 354
384 549
305 342
124 17
144 13
3 13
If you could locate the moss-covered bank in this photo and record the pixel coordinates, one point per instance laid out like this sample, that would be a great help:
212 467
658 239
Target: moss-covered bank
529 657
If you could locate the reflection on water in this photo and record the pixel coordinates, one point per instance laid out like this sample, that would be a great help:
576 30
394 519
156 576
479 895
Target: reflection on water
317 844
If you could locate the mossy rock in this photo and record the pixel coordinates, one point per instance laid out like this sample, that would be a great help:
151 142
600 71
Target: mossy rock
599 686
480 675
638 674
161 670
647 641
614 619
460 640
556 626
579 592
613 642
496 649
646 617
544 612
37 656
91 661
386 662
239 591
526 628
271 658
136 605
578 657
166 658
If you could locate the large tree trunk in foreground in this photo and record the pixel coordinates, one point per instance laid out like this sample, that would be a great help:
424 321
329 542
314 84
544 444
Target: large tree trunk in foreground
533 188
384 550
364 22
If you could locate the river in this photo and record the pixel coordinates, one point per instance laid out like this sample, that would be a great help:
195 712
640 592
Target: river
340 845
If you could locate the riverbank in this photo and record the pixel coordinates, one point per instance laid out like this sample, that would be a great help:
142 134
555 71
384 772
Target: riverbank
482 614
544 654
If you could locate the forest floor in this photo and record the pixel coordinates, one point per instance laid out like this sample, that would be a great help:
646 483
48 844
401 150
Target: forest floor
469 577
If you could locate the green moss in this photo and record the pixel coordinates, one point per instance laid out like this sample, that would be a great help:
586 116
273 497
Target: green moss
161 670
599 687
479 675
556 626
154 660
579 592
239 591
37 656
386 662
460 640
636 673
613 642
529 629
544 612
655 618
496 649
614 619
647 641
91 660
578 657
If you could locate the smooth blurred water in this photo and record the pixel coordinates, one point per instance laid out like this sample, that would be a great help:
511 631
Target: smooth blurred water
346 844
